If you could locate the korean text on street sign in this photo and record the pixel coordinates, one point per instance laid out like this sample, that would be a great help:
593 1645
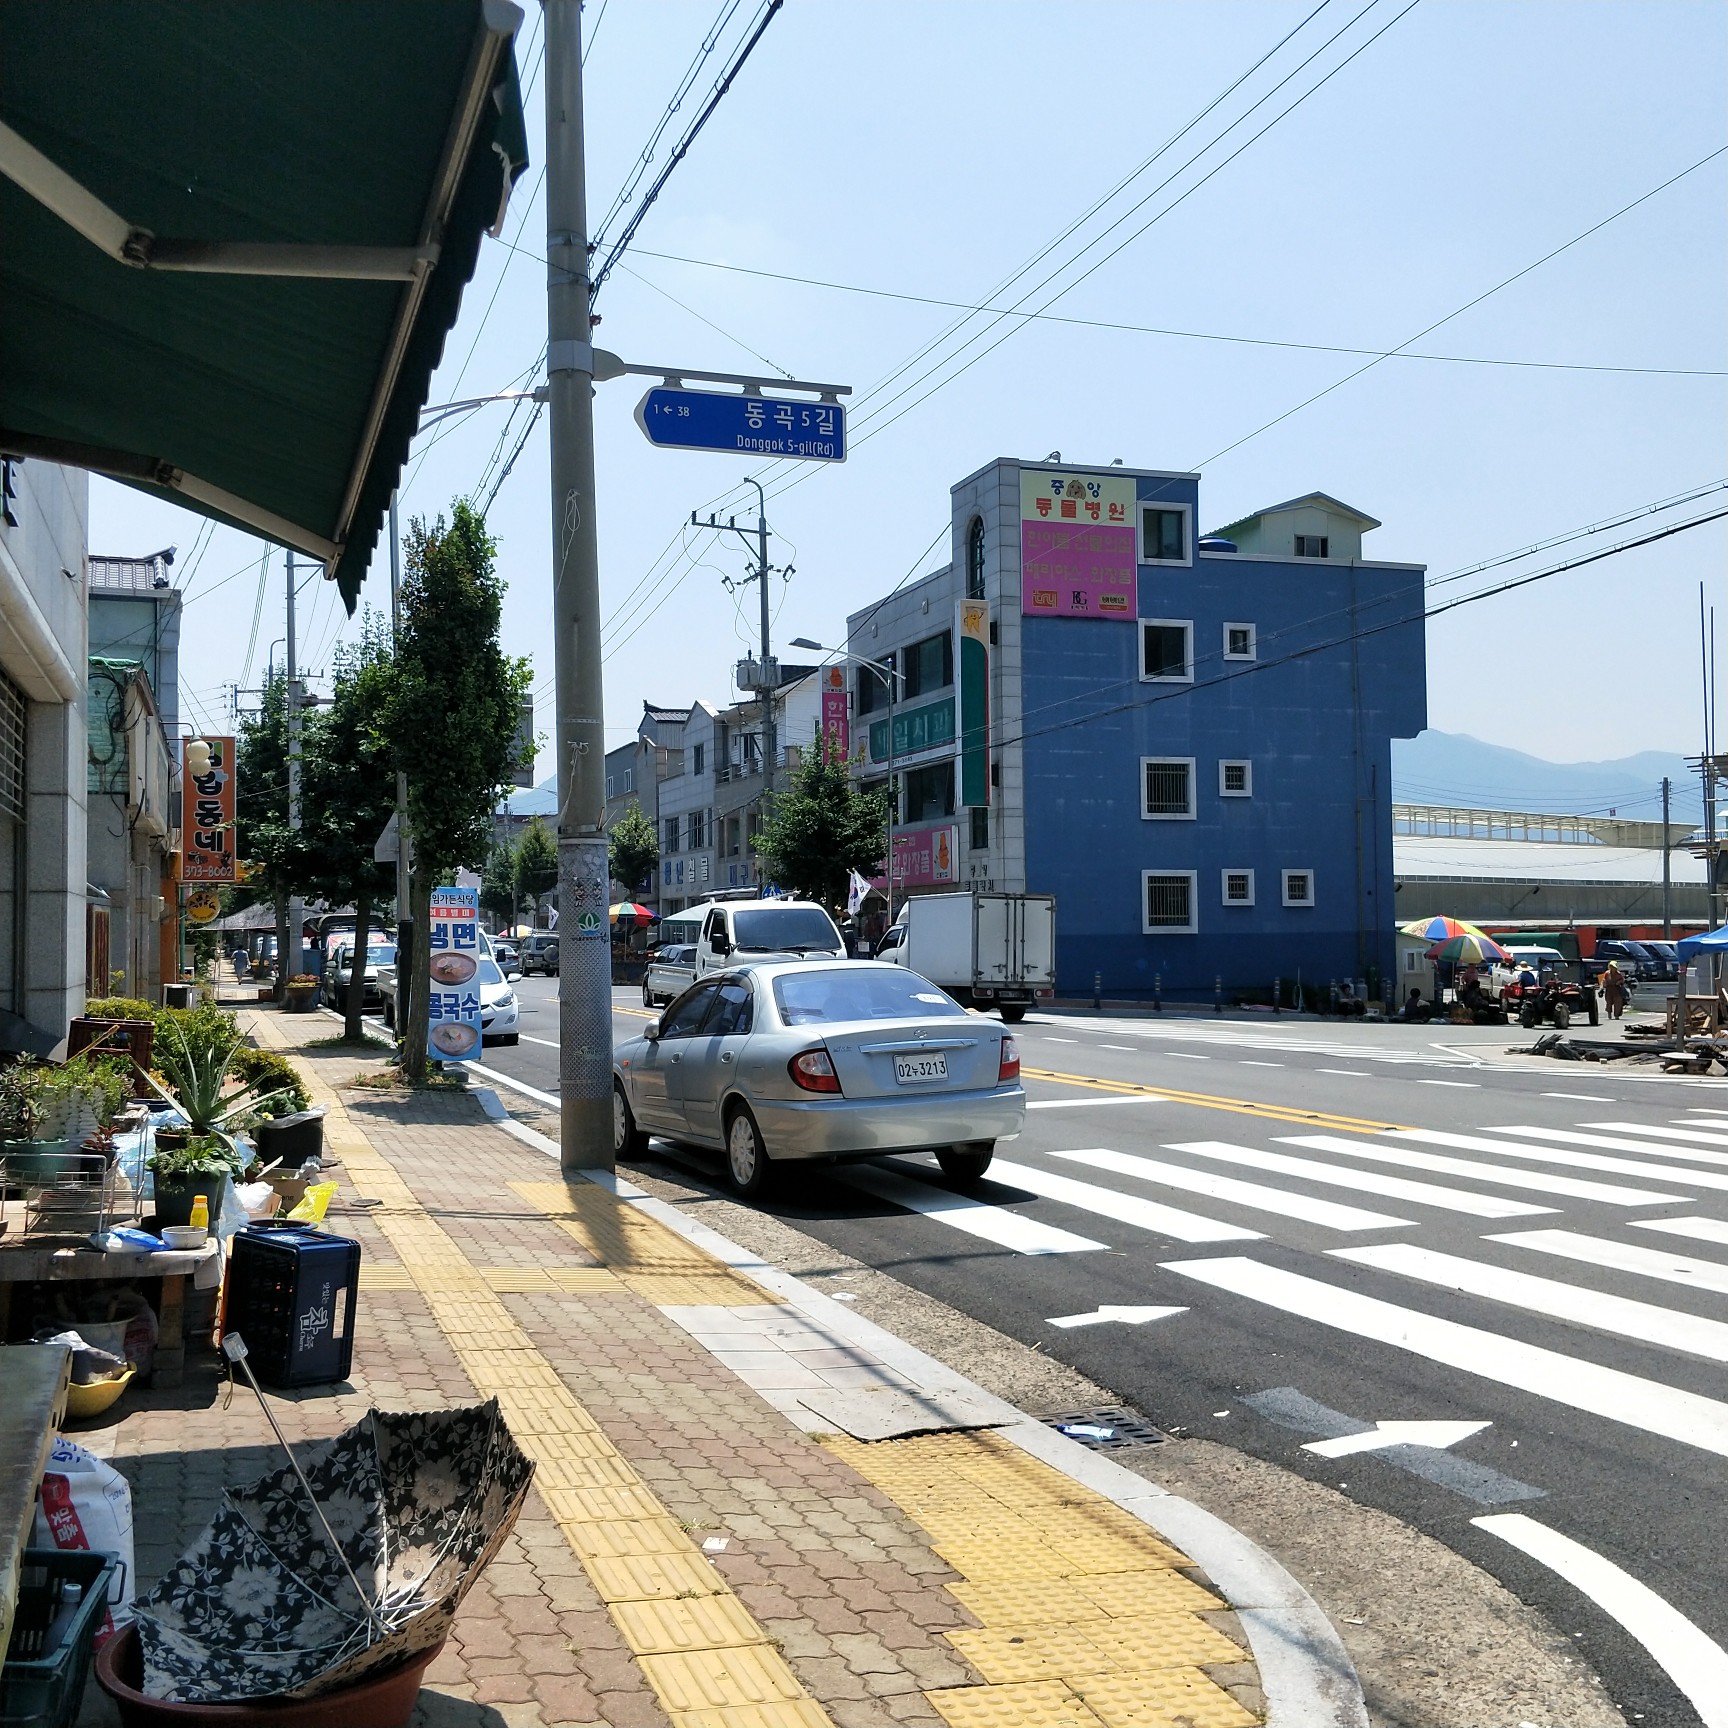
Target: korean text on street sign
207 810
758 425
454 960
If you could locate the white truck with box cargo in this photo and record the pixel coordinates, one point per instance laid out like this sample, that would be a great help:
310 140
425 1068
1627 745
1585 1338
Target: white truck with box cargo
986 950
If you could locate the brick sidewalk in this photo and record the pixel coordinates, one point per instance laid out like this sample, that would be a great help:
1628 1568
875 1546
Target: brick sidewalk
690 1556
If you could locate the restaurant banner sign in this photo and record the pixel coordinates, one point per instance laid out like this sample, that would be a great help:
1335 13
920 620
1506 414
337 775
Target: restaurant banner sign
207 810
453 994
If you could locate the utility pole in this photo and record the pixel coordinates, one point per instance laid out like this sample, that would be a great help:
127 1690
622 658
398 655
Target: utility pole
404 841
294 961
1667 895
585 951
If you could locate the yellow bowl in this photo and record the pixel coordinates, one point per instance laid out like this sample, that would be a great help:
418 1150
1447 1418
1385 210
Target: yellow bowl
99 1395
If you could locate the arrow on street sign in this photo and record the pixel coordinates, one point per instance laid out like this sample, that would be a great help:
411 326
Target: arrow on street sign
1438 1435
1127 1316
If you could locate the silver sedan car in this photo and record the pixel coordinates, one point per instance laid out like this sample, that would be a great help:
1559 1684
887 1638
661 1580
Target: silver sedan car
818 1061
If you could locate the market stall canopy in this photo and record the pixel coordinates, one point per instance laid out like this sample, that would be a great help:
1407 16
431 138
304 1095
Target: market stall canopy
235 239
1711 942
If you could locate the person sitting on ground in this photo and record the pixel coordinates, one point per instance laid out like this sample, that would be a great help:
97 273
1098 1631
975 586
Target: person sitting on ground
1415 1008
1483 1010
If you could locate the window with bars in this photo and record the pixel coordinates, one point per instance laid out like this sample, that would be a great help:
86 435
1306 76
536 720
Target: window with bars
1298 887
12 724
1238 887
1167 787
1236 779
1166 649
1168 897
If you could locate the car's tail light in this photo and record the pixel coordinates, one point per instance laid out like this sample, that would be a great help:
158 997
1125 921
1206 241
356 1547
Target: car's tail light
1009 1067
814 1071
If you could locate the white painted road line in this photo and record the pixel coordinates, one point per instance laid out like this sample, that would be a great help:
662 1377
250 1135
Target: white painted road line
1692 1134
549 1099
1604 1142
1696 1664
1649 1405
1185 1055
1700 1229
1579 1097
993 1223
1468 1085
1051 1038
1123 1208
1256 1197
1089 1103
1349 1073
1623 1316
1130 1048
1660 1263
1248 1064
1572 1160
1362 1181
550 1043
1503 1175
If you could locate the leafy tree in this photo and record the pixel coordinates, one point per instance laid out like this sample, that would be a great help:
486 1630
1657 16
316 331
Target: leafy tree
450 721
536 864
498 882
821 830
348 794
633 849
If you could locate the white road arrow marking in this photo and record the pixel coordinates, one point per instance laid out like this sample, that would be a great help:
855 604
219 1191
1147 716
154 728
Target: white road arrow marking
1128 1316
1436 1434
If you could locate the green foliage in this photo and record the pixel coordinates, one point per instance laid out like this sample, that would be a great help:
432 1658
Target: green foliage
498 881
271 850
32 1092
536 863
633 850
821 830
120 1008
193 1052
202 1155
285 1092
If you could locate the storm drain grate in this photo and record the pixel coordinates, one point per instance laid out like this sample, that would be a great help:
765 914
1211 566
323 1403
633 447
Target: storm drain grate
1111 1429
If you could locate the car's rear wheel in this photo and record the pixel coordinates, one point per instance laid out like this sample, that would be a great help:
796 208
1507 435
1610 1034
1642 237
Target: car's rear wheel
966 1163
647 997
628 1141
747 1164
1595 1013
1527 1016
1562 1016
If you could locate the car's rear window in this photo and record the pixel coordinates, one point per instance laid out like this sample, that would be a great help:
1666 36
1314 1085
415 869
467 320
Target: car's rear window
771 927
860 993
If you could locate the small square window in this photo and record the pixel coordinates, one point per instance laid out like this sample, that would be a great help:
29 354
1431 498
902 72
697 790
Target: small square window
1163 535
1240 642
980 820
1313 546
1238 887
1235 779
1168 902
1167 650
1298 887
1167 787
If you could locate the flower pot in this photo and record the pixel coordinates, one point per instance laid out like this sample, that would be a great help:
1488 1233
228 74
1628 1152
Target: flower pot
32 1160
382 1700
302 998
175 1194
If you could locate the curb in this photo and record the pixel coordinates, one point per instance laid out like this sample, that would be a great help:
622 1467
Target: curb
1305 1672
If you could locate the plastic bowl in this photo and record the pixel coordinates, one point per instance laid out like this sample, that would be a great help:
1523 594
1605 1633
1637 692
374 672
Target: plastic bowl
185 1236
97 1396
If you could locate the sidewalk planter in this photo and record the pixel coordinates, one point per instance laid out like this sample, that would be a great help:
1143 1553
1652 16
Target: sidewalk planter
383 1700
175 1194
292 1139
302 998
134 1036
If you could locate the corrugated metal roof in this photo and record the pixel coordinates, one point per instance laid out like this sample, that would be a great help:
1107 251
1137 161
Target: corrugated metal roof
1422 857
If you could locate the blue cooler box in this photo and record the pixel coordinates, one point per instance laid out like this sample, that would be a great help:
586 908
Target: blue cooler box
291 1295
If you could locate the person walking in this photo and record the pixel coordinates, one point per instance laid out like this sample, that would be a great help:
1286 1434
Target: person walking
1614 991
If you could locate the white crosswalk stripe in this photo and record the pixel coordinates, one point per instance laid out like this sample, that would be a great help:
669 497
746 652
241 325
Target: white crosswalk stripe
1702 1229
1254 1195
1572 1160
1633 1257
1504 1175
1691 1134
1612 1143
1625 1316
992 1223
1126 1208
1364 1181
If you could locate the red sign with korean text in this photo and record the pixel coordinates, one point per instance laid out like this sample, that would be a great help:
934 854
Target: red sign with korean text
836 724
207 810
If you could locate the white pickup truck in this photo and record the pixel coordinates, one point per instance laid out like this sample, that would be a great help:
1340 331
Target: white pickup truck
986 950
734 932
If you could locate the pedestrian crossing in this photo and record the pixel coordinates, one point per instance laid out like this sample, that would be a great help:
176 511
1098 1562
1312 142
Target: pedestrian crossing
1531 1307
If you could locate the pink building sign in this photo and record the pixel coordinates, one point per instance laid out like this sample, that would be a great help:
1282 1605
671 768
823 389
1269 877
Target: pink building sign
924 858
1077 547
836 725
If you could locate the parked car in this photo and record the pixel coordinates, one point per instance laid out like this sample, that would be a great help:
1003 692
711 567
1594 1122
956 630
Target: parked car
338 963
671 971
818 1061
540 953
499 1009
1634 959
506 953
737 932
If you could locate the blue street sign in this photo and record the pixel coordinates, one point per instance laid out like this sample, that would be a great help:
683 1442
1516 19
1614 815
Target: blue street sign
752 425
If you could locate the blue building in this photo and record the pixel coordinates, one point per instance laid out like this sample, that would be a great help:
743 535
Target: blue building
1185 737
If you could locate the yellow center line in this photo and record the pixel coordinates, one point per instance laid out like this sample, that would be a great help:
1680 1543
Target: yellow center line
1205 1101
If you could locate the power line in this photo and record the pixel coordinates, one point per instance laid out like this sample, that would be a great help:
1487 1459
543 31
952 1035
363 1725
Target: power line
1468 305
257 615
738 340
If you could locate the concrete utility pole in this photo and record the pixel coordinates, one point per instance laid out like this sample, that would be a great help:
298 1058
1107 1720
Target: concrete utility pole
770 738
1667 896
404 847
585 950
294 961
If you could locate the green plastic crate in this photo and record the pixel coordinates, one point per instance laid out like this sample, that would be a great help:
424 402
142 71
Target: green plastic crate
47 1693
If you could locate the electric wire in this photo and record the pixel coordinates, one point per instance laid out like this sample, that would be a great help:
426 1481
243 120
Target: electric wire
257 616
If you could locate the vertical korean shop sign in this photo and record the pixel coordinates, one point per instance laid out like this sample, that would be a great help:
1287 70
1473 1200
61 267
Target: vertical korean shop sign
453 993
207 810
836 727
1077 557
972 634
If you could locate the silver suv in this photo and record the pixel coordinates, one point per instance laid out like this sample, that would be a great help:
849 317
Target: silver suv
540 953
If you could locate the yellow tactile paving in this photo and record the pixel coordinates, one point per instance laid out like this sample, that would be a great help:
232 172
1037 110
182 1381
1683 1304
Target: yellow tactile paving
506 1280
1087 1621
656 1263
707 1659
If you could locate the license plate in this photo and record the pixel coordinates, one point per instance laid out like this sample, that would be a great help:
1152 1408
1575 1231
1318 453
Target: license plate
910 1070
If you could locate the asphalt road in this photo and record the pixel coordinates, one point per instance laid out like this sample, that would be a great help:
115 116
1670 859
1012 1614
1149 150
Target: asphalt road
1353 1225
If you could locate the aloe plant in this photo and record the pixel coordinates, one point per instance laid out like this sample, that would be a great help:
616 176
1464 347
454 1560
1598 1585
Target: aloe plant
193 1053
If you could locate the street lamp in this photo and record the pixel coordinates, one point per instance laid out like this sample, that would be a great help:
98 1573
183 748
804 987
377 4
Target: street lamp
891 677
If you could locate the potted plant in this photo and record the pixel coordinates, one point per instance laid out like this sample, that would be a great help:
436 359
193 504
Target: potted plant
303 992
204 1165
25 1142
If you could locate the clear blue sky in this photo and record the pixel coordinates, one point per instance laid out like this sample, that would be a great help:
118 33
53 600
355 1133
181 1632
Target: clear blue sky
932 149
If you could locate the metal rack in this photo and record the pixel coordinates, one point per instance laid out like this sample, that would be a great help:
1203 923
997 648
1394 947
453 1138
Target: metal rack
70 1192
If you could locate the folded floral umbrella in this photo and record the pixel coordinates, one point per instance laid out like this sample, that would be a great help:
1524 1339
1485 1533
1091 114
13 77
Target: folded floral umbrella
1439 929
261 1605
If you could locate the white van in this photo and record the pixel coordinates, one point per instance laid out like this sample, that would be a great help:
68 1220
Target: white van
736 931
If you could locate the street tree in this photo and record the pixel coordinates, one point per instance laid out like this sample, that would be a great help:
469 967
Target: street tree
498 883
536 864
821 830
451 723
348 794
633 850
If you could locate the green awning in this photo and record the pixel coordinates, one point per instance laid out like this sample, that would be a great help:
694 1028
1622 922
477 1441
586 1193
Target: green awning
234 235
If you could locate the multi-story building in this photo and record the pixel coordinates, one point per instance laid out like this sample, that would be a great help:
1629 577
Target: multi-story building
135 615
1185 738
44 518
